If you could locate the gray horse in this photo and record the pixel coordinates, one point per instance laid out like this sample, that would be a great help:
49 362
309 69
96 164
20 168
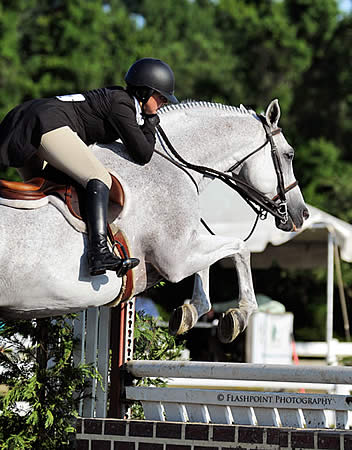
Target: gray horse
43 248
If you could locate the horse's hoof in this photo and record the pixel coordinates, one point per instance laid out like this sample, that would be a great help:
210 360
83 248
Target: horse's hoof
182 319
230 326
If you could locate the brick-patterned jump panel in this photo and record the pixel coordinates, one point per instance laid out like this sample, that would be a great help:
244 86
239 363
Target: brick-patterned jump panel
116 434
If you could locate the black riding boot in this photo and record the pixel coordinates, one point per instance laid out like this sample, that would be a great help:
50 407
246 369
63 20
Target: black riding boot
100 257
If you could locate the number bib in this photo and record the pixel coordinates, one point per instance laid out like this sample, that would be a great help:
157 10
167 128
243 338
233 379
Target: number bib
71 98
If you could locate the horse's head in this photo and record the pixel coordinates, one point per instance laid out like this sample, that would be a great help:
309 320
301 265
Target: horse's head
269 170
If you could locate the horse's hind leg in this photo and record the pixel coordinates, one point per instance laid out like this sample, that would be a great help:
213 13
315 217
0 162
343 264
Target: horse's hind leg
184 317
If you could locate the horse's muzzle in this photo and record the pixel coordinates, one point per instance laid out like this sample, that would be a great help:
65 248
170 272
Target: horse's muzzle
293 223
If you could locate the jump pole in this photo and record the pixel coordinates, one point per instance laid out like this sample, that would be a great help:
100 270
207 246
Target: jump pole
238 371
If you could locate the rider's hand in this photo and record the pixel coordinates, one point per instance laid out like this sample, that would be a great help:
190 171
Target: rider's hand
151 120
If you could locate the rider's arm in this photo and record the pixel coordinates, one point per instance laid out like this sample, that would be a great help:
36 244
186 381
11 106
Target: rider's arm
139 141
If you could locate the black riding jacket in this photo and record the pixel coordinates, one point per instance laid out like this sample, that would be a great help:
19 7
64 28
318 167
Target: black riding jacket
100 115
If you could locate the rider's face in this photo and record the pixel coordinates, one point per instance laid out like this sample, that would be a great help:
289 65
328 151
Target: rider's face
155 102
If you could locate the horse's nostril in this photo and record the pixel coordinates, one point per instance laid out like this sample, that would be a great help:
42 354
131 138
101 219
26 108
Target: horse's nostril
305 213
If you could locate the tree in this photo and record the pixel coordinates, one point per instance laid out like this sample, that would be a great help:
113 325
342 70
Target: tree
72 46
263 41
184 34
326 178
13 78
322 99
37 369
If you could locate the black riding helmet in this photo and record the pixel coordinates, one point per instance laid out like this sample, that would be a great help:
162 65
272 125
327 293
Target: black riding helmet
148 75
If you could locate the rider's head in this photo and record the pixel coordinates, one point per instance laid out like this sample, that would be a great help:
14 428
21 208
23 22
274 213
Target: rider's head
149 75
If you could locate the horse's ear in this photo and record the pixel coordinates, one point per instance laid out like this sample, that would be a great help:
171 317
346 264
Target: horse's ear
272 113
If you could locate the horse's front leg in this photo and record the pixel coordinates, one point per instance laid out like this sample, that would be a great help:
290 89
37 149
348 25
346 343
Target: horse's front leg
184 317
201 253
235 320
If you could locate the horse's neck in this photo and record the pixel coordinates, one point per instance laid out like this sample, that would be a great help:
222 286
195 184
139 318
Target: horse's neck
207 137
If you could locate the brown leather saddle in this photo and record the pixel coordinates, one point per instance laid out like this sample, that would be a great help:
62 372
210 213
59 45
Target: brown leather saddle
58 184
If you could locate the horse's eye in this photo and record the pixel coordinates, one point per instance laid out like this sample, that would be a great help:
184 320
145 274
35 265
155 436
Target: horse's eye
289 155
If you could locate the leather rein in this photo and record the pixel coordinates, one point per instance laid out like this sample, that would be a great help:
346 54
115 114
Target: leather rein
277 206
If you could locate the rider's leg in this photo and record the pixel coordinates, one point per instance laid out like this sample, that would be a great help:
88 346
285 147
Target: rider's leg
64 150
99 256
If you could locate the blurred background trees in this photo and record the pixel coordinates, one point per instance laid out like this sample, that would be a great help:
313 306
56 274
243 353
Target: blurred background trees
230 51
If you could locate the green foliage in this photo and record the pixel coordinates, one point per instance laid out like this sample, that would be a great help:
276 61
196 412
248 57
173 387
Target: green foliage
153 342
13 79
56 47
263 39
42 386
346 361
10 174
327 179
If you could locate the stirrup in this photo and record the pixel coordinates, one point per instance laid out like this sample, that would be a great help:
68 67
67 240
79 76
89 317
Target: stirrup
126 265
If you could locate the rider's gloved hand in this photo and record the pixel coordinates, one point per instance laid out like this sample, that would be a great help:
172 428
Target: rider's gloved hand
151 120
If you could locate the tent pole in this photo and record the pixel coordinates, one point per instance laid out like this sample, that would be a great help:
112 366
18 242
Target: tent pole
346 323
330 356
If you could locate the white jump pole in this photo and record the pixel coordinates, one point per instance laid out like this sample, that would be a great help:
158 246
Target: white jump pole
241 371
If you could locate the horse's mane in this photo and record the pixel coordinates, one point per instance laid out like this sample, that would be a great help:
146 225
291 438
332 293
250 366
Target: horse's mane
188 104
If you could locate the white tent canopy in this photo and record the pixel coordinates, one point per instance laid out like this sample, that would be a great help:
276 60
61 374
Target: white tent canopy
228 214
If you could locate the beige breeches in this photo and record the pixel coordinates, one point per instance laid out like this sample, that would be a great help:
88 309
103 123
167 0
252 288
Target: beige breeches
63 149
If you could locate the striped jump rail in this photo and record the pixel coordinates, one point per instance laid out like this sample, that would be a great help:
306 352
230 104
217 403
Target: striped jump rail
278 409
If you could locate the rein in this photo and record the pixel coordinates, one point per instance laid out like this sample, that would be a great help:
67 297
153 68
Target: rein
261 204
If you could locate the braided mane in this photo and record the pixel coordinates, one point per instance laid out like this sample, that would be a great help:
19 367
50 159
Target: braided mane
189 104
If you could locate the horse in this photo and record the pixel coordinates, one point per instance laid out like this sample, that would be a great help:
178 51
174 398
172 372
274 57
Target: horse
43 250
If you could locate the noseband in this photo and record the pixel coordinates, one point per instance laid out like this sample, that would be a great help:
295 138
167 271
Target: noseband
261 204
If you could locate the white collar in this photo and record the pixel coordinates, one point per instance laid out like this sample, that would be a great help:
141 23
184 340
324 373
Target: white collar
139 117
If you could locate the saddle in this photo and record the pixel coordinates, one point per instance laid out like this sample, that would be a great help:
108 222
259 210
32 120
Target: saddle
54 182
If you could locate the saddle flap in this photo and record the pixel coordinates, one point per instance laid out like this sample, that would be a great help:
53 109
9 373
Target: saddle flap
16 190
32 185
117 194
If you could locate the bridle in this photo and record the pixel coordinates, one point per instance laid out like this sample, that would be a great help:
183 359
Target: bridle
280 198
277 206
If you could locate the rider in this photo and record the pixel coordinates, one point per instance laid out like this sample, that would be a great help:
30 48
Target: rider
58 130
